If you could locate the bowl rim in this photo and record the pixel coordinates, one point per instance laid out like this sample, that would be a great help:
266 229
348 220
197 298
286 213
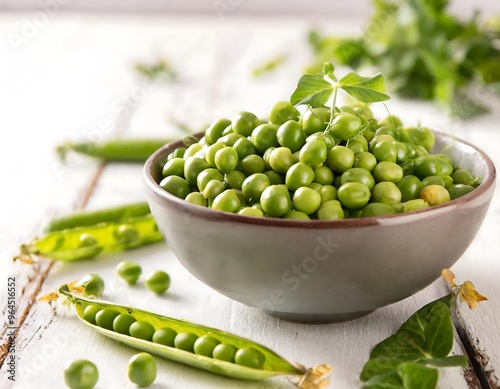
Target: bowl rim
399 218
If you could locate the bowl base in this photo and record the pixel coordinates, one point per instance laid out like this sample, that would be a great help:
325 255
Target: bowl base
318 318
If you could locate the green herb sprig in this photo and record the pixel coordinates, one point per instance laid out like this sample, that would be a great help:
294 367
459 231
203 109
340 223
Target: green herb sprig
425 52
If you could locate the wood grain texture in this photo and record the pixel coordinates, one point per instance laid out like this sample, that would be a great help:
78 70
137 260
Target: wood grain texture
103 51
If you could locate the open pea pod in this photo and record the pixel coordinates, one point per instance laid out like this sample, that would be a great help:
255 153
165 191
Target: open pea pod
274 365
89 241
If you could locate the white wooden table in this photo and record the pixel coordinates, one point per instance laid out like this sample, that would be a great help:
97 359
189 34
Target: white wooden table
73 79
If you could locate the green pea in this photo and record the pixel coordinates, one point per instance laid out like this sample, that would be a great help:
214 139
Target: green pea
291 135
80 374
378 209
206 176
306 200
387 171
105 317
433 180
401 152
275 200
244 123
197 199
213 189
90 312
205 345
410 187
298 175
177 153
253 164
420 136
315 120
434 194
447 180
327 139
192 168
225 352
230 139
250 357
249 211
174 167
313 153
175 185
458 190
142 330
215 130
122 323
275 178
387 130
415 205
158 281
462 176
387 193
211 151
234 179
385 151
227 201
330 210
253 186
265 136
244 148
141 370
165 336
87 240
426 166
127 233
358 145
283 111
360 175
185 341
297 215
93 285
345 126
365 161
340 158
315 186
353 195
129 271
281 159
192 150
380 138
226 159
391 120
323 175
327 193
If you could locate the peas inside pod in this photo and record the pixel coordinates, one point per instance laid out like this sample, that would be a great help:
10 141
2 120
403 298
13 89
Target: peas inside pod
315 165
182 341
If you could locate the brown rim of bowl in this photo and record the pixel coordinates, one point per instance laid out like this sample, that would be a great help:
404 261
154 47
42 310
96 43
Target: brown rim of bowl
210 214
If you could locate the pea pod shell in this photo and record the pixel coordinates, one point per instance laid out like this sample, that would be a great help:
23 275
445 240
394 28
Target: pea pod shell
274 365
64 245
89 218
116 150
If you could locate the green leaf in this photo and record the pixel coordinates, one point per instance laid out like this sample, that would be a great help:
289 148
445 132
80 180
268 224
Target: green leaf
417 376
390 380
313 90
364 89
379 366
454 360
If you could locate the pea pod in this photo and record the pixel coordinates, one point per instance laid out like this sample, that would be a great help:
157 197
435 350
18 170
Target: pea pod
87 242
89 218
116 150
273 366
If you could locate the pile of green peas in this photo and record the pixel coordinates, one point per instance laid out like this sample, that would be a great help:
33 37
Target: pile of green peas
298 166
206 345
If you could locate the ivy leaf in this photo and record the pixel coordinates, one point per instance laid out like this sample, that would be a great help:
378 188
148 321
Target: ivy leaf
417 376
364 89
312 90
454 360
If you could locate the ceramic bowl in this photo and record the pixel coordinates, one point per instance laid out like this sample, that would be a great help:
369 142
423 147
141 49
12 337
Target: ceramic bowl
322 271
